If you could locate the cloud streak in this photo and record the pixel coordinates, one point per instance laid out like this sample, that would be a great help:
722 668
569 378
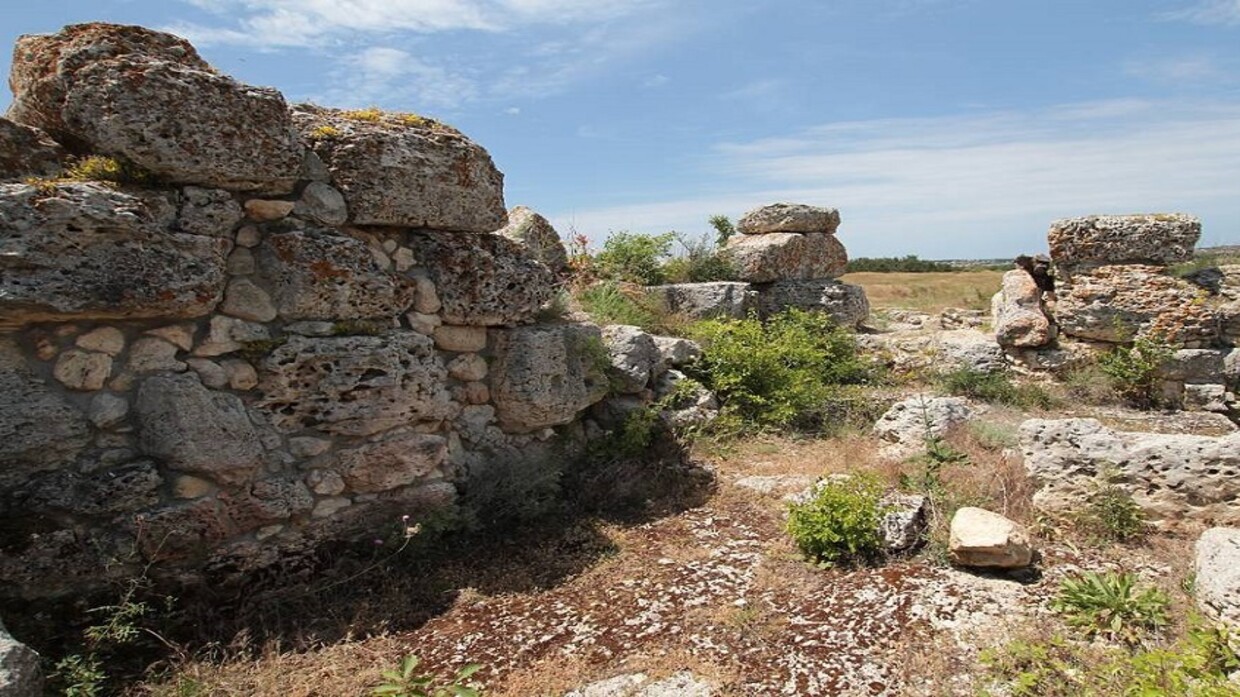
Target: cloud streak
973 184
1224 12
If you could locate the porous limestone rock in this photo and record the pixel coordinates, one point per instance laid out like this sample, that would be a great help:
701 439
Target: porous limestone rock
983 539
1124 239
677 352
967 349
151 354
450 337
1017 314
265 210
1120 302
906 427
248 301
693 405
634 357
109 340
536 234
1216 568
75 251
1169 476
321 274
469 367
126 488
788 217
391 463
783 256
193 429
27 152
483 280
82 370
39 429
545 375
396 169
904 522
148 97
20 675
707 300
322 203
1195 366
355 385
844 302
211 212
682 684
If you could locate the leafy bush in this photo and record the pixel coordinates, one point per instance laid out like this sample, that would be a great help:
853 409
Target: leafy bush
108 169
840 521
634 258
405 681
907 264
701 262
724 229
779 374
1113 516
1197 665
609 302
1108 604
995 388
1135 370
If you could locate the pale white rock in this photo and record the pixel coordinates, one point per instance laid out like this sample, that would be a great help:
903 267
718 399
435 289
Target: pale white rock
109 340
1170 476
537 235
783 256
846 303
909 424
328 507
427 301
677 352
210 372
423 324
707 300
1164 238
241 375
249 236
463 339
1213 398
179 335
150 354
325 482
108 410
981 538
264 210
229 334
246 300
190 487
634 357
403 259
391 463
1216 577
20 674
788 217
82 370
477 393
904 522
1017 313
468 368
545 375
211 212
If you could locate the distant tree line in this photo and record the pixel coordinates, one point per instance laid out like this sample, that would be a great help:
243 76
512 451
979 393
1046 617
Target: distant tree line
908 264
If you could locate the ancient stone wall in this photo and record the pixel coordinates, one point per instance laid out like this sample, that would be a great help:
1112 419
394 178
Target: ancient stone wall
284 325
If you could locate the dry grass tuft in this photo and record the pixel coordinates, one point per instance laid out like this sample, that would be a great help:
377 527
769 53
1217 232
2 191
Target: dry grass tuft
928 292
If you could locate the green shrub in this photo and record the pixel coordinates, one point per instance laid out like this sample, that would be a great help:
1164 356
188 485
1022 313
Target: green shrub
840 521
1089 384
1109 605
108 169
700 262
1196 665
634 258
610 303
779 374
724 229
1113 516
1135 370
907 264
405 681
995 388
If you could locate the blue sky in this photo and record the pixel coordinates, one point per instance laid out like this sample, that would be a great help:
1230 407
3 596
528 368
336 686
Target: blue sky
943 128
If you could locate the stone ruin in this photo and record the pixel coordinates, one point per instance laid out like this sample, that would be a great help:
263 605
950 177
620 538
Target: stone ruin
786 256
1113 286
293 326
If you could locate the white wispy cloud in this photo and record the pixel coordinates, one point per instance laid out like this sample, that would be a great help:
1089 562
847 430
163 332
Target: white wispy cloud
1179 69
973 184
1225 12
383 75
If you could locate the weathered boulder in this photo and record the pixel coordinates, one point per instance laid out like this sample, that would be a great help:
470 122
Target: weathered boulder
782 256
147 96
967 349
1216 569
355 385
20 675
980 538
322 203
545 375
536 234
39 430
788 217
27 152
1169 476
483 280
1118 303
904 521
322 274
707 300
193 429
1124 239
634 357
125 488
846 303
906 427
400 169
76 251
211 212
1195 366
676 352
1017 314
391 463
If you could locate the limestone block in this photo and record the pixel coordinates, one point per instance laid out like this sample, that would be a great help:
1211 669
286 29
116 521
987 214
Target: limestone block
634 357
1124 239
981 538
408 172
39 429
784 256
147 96
483 280
707 300
391 463
27 152
545 375
536 234
1017 314
355 385
788 217
844 302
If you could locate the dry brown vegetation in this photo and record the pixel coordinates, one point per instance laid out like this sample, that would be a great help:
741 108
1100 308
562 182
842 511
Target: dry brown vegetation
928 292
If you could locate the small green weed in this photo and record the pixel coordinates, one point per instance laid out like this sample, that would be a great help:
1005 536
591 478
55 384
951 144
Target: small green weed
405 681
1112 516
1109 605
108 169
1135 370
839 523
994 388
326 132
